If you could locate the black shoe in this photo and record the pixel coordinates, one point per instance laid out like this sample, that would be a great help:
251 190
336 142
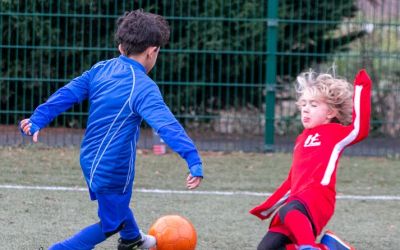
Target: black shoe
143 241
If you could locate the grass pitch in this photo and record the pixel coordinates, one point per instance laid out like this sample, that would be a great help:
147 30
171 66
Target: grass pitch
31 219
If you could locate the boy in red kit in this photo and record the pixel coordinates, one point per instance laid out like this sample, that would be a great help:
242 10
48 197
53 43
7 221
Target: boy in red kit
333 117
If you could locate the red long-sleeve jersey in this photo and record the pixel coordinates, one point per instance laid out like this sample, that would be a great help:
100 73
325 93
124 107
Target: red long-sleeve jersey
312 176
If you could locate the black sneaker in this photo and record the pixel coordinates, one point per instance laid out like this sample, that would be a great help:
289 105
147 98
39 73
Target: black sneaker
144 241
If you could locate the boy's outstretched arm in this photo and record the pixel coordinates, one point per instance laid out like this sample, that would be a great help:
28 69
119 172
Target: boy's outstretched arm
362 105
150 105
269 206
176 138
61 100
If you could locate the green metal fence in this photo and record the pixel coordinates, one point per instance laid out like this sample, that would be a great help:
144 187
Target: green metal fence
227 73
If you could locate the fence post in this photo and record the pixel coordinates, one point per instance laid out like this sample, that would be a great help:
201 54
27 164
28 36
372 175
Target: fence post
270 70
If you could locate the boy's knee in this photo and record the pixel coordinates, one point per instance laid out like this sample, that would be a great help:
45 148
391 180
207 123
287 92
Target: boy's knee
291 206
273 241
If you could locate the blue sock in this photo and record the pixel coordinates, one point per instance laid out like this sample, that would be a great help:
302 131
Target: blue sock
83 240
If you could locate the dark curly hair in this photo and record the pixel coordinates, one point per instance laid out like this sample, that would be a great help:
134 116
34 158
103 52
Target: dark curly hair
137 30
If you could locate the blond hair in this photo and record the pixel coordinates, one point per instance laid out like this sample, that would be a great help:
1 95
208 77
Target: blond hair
337 93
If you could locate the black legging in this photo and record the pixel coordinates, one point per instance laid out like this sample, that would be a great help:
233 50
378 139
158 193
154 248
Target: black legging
278 241
274 241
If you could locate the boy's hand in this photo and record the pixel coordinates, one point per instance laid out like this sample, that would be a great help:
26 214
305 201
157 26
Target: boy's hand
362 78
28 128
193 182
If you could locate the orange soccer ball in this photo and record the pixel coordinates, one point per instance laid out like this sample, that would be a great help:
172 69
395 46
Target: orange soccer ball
173 232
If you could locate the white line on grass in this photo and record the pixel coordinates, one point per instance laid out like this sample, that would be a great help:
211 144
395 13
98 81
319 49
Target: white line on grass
198 192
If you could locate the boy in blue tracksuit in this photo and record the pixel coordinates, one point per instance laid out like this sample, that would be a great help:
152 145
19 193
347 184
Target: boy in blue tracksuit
121 95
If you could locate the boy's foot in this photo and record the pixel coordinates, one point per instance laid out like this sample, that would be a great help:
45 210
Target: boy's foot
145 242
333 242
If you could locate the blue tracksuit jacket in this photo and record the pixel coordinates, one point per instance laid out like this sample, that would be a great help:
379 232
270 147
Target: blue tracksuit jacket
120 95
